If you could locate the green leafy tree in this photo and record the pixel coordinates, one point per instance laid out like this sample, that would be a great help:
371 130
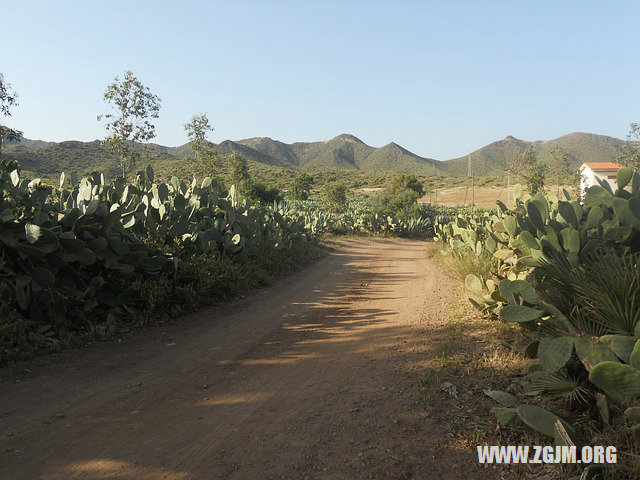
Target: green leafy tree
128 123
533 172
535 177
335 195
401 196
238 172
403 203
629 154
563 170
406 182
265 194
8 100
197 130
301 187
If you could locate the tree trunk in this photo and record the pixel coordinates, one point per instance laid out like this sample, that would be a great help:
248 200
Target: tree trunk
123 165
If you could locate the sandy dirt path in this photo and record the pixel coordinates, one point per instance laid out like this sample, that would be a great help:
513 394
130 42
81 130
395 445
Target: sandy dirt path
313 377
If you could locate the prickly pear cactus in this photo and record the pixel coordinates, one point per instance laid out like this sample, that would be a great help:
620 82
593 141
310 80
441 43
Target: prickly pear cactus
617 380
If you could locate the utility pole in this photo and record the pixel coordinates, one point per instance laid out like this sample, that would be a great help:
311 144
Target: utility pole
473 194
473 188
466 190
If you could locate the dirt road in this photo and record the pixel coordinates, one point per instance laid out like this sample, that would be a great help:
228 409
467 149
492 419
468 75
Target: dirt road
310 378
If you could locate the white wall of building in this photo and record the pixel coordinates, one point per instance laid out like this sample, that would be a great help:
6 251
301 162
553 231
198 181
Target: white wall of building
588 178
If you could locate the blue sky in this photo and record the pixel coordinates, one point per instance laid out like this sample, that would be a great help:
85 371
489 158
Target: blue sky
440 78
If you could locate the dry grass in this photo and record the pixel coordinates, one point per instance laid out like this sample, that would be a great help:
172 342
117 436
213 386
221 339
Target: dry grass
485 196
469 354
474 354
464 262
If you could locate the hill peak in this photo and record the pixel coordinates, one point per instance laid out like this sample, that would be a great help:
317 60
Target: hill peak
579 146
395 146
260 139
348 137
586 135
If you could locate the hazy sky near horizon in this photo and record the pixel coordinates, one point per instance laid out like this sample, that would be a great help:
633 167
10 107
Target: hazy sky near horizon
439 78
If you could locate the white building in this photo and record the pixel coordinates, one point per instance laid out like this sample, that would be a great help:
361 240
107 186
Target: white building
590 171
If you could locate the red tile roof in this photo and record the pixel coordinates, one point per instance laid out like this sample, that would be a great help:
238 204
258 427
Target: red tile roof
603 165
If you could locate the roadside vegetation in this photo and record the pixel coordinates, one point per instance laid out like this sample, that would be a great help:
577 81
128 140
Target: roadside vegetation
558 279
88 258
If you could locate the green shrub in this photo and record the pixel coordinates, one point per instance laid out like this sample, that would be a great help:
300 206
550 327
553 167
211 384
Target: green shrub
406 182
401 203
264 194
335 196
301 187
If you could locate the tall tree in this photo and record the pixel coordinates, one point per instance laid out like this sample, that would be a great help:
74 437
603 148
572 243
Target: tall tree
629 154
128 122
238 172
561 168
8 100
533 172
197 130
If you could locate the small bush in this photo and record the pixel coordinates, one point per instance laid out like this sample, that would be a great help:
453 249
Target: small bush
335 196
301 187
263 193
465 262
406 182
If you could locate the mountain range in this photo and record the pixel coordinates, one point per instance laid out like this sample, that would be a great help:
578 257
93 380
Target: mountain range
342 152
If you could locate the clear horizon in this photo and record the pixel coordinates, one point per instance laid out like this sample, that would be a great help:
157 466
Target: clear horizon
439 80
